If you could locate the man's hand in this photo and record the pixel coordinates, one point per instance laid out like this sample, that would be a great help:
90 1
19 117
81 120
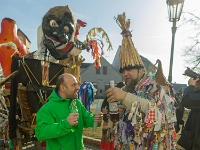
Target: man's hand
98 117
115 94
191 81
73 119
104 110
121 109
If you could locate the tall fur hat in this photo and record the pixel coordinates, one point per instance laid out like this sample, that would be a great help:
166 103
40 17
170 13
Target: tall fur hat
128 57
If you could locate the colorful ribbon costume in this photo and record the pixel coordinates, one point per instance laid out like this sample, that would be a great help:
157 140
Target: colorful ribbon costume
86 94
153 128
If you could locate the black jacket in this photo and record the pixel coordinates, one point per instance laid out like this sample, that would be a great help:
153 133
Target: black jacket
191 100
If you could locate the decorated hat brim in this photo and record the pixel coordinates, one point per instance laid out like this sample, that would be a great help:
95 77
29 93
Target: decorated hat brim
129 67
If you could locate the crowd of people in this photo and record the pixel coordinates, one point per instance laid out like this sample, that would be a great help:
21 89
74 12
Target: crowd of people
147 114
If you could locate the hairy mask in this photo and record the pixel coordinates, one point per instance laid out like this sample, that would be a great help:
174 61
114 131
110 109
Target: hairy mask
59 26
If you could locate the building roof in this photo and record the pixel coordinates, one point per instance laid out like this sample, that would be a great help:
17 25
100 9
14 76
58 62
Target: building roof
178 86
115 63
24 35
30 55
85 65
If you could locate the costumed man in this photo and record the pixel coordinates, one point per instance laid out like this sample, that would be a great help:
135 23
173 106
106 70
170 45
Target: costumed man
149 118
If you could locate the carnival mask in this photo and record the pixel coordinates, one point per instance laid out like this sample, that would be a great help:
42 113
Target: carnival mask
58 26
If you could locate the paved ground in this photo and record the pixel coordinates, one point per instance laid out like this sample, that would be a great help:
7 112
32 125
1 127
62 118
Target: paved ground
32 147
87 147
90 148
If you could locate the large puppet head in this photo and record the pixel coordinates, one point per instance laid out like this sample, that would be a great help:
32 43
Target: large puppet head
59 29
58 24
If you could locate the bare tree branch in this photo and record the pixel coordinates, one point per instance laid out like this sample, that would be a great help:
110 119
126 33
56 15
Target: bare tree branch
191 52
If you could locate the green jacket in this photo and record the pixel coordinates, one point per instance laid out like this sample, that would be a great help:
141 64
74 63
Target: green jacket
52 126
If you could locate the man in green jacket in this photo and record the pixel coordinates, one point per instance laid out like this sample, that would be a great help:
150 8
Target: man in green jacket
55 121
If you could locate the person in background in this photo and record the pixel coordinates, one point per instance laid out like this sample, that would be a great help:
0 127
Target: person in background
107 143
191 100
56 122
149 118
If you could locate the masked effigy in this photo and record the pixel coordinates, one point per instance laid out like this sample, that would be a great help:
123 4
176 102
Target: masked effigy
57 34
58 38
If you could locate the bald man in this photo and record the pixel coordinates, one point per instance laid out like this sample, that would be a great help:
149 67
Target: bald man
55 121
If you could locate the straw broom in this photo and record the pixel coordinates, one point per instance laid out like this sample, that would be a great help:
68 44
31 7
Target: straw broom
128 55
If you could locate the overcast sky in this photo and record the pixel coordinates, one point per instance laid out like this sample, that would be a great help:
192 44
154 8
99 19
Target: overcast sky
151 30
